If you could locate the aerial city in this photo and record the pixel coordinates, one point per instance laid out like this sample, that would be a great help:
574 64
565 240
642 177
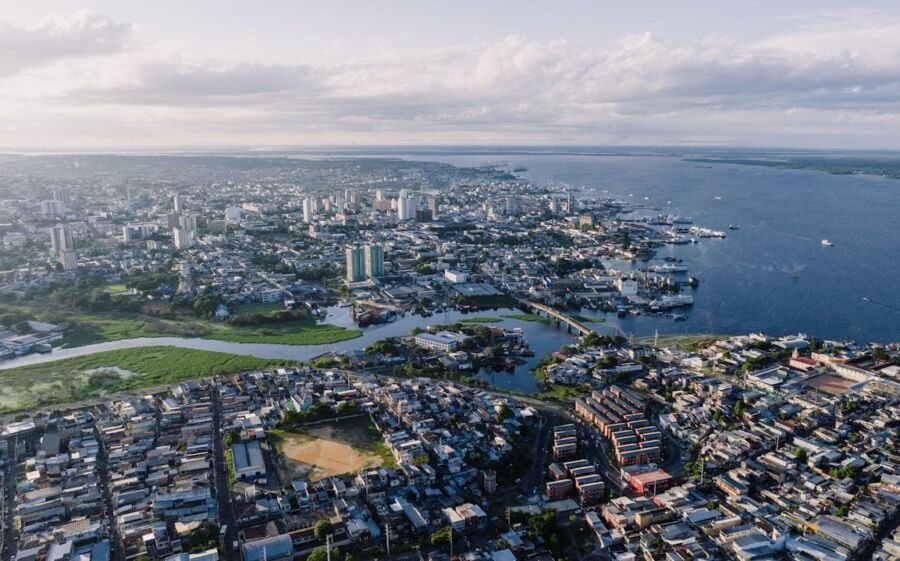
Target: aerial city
505 281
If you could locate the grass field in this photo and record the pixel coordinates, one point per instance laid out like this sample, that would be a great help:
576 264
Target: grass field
333 448
298 332
530 317
684 342
85 328
95 375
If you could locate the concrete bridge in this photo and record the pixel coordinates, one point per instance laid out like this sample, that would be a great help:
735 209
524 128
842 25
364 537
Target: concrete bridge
571 323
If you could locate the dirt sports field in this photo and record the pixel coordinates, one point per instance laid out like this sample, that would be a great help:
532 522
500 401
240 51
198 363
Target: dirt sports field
330 450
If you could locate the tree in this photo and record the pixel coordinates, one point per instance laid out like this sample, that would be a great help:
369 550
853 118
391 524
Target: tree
505 413
322 529
800 454
320 553
441 536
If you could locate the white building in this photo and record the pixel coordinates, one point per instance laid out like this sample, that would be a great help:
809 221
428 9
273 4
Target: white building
233 214
184 238
456 277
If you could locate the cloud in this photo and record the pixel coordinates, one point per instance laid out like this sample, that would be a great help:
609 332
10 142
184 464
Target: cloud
822 78
80 34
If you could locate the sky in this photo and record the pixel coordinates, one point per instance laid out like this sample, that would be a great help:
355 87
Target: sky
110 75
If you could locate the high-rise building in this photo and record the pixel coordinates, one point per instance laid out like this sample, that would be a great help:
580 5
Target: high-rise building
62 245
52 208
307 210
374 261
433 207
62 195
177 204
188 221
570 203
356 264
404 206
61 238
184 238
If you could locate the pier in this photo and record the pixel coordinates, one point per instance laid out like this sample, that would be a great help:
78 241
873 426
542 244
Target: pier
571 323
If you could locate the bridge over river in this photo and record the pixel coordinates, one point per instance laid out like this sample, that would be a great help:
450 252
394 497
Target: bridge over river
571 323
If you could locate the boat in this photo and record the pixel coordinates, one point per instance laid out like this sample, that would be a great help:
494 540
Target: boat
694 282
827 243
668 268
679 317
520 169
734 227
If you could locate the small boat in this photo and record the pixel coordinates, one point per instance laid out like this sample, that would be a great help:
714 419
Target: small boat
718 198
520 169
826 243
679 317
734 227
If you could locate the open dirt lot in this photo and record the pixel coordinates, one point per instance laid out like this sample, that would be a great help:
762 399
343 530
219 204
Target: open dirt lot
322 452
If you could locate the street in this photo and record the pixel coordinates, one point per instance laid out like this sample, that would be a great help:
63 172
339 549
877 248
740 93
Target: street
220 475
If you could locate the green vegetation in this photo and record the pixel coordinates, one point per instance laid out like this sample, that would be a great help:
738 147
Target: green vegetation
687 343
441 536
322 529
98 374
250 326
258 308
296 332
531 317
320 553
481 319
557 392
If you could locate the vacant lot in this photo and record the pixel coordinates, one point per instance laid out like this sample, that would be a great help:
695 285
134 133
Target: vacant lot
344 446
99 374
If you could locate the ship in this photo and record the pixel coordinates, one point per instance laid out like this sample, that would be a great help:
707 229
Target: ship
672 301
827 243
668 268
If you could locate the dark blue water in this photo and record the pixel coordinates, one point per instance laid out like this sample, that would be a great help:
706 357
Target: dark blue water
748 280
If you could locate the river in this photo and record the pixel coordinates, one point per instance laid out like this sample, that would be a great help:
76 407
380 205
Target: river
542 338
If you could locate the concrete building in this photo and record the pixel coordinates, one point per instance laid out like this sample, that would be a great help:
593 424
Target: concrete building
184 238
62 244
374 261
356 264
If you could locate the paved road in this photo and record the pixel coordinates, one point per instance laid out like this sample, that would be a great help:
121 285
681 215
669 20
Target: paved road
117 550
8 503
593 449
220 475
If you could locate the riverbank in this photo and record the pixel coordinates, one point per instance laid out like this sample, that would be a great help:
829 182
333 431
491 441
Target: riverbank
688 343
87 329
98 374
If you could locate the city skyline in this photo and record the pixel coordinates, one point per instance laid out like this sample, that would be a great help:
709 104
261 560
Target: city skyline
95 76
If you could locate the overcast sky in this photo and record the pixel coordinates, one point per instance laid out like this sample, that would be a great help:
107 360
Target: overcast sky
117 75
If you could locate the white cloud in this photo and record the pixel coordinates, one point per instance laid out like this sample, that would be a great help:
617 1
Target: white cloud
75 35
827 76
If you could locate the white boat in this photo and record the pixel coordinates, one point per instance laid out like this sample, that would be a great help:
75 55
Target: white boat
827 243
668 268
672 301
